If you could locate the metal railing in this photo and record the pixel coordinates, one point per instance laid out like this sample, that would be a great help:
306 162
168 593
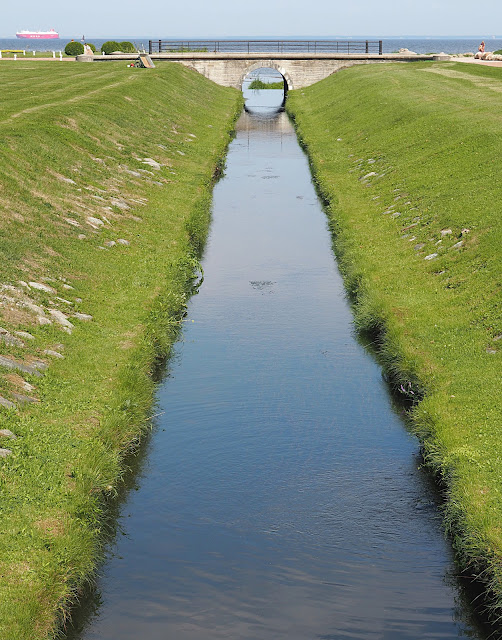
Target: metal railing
266 46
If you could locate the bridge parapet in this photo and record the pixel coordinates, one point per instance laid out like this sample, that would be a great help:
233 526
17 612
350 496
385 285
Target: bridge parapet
266 46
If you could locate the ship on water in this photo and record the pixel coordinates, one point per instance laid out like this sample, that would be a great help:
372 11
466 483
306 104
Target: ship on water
38 34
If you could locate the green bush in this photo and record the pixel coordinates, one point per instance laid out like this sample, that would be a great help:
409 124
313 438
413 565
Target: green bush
498 52
74 49
109 46
127 47
259 84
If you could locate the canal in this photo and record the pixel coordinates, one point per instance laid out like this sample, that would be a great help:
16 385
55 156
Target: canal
280 495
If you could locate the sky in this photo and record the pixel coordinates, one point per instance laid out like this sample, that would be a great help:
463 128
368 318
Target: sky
280 18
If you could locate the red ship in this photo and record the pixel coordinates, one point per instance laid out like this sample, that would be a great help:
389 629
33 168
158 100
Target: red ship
38 34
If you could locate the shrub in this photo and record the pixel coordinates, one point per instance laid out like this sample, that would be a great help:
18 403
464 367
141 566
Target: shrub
498 52
127 47
259 84
109 46
74 49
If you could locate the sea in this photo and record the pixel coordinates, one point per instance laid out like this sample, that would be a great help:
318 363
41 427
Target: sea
432 44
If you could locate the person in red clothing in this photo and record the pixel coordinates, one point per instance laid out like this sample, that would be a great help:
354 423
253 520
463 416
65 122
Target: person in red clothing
481 51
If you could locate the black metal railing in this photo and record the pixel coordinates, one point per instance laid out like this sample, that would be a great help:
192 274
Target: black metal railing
266 46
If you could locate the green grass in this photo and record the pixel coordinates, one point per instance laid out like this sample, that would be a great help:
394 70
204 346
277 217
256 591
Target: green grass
407 158
73 144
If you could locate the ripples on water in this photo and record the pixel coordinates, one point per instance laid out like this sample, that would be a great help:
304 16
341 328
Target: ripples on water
281 497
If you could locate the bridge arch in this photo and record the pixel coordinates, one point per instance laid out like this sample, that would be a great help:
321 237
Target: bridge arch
268 64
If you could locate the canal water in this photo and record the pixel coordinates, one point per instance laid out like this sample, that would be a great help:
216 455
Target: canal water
280 495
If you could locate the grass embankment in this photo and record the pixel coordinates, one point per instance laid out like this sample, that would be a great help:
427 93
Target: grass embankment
105 184
408 158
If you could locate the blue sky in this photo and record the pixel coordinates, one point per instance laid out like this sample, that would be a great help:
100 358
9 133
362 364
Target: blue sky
224 18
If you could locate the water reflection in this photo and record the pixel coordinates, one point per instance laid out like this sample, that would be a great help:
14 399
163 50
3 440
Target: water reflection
282 495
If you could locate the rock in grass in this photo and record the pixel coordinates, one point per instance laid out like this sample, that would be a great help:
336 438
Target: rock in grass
60 318
5 452
123 242
7 403
39 364
120 204
9 339
9 363
431 256
42 287
73 222
34 308
136 174
24 399
110 243
64 300
53 354
95 223
7 433
152 163
25 335
82 316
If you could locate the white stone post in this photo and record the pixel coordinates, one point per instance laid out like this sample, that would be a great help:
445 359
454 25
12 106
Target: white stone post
15 56
53 54
33 51
61 56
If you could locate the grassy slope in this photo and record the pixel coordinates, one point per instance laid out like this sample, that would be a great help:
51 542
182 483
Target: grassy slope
73 139
432 133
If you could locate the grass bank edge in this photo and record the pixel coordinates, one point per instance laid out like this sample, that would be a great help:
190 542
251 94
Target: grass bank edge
37 592
477 547
138 377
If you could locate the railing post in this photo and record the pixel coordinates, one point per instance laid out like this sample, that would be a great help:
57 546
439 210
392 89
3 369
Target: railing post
367 47
380 48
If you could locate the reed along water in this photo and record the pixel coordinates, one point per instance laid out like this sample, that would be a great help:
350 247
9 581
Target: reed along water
281 495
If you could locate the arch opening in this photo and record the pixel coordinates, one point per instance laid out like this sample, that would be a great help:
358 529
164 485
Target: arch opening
264 88
268 65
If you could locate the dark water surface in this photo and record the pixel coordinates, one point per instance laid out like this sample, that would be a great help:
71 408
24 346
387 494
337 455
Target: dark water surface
281 496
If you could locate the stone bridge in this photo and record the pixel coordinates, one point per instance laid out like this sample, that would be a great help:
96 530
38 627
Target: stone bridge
298 69
301 62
